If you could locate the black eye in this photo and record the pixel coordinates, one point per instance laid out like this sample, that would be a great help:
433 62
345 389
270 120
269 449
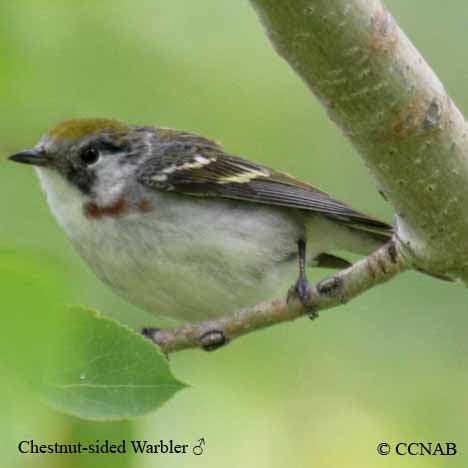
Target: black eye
89 155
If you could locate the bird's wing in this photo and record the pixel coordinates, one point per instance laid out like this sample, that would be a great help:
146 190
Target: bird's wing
195 166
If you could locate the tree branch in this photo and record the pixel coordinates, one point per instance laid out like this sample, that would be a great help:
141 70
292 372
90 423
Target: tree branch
387 100
377 268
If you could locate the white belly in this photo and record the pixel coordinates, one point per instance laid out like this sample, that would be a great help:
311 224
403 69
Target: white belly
192 258
189 258
193 262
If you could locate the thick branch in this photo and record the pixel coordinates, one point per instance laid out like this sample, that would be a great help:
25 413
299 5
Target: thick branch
377 268
391 105
388 101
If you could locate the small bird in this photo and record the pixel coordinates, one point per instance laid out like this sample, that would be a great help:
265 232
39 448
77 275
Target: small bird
183 229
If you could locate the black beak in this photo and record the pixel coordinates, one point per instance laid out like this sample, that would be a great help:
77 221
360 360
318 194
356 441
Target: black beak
32 156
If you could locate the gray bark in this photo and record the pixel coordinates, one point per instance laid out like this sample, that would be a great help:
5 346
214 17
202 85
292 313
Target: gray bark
377 87
380 266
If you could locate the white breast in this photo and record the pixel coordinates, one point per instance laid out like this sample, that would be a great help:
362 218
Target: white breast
189 258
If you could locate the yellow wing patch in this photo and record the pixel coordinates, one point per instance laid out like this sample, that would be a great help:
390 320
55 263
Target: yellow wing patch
244 177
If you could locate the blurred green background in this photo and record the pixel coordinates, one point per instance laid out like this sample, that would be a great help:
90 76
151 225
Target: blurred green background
391 366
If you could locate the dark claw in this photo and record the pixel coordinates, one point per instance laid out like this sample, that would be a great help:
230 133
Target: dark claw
302 291
212 340
312 313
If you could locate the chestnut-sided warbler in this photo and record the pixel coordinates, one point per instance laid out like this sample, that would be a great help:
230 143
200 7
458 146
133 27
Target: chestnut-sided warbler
181 228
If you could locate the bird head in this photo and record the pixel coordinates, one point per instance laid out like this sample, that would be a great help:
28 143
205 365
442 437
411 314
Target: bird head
93 160
84 151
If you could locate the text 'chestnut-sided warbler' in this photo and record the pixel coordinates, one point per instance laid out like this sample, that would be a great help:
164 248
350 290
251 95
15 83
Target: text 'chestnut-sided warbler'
179 227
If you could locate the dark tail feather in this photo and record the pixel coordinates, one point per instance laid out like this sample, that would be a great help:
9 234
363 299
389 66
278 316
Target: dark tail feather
436 275
332 261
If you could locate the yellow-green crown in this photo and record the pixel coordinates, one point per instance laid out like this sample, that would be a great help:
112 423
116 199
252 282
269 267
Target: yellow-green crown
80 128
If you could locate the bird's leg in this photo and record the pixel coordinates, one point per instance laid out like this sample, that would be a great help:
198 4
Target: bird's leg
302 288
302 285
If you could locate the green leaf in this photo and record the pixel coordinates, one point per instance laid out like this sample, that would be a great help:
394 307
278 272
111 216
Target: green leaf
105 371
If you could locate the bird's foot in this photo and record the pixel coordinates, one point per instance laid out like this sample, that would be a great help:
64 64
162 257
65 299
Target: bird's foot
302 291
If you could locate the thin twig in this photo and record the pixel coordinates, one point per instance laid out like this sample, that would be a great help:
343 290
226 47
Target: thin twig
380 266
